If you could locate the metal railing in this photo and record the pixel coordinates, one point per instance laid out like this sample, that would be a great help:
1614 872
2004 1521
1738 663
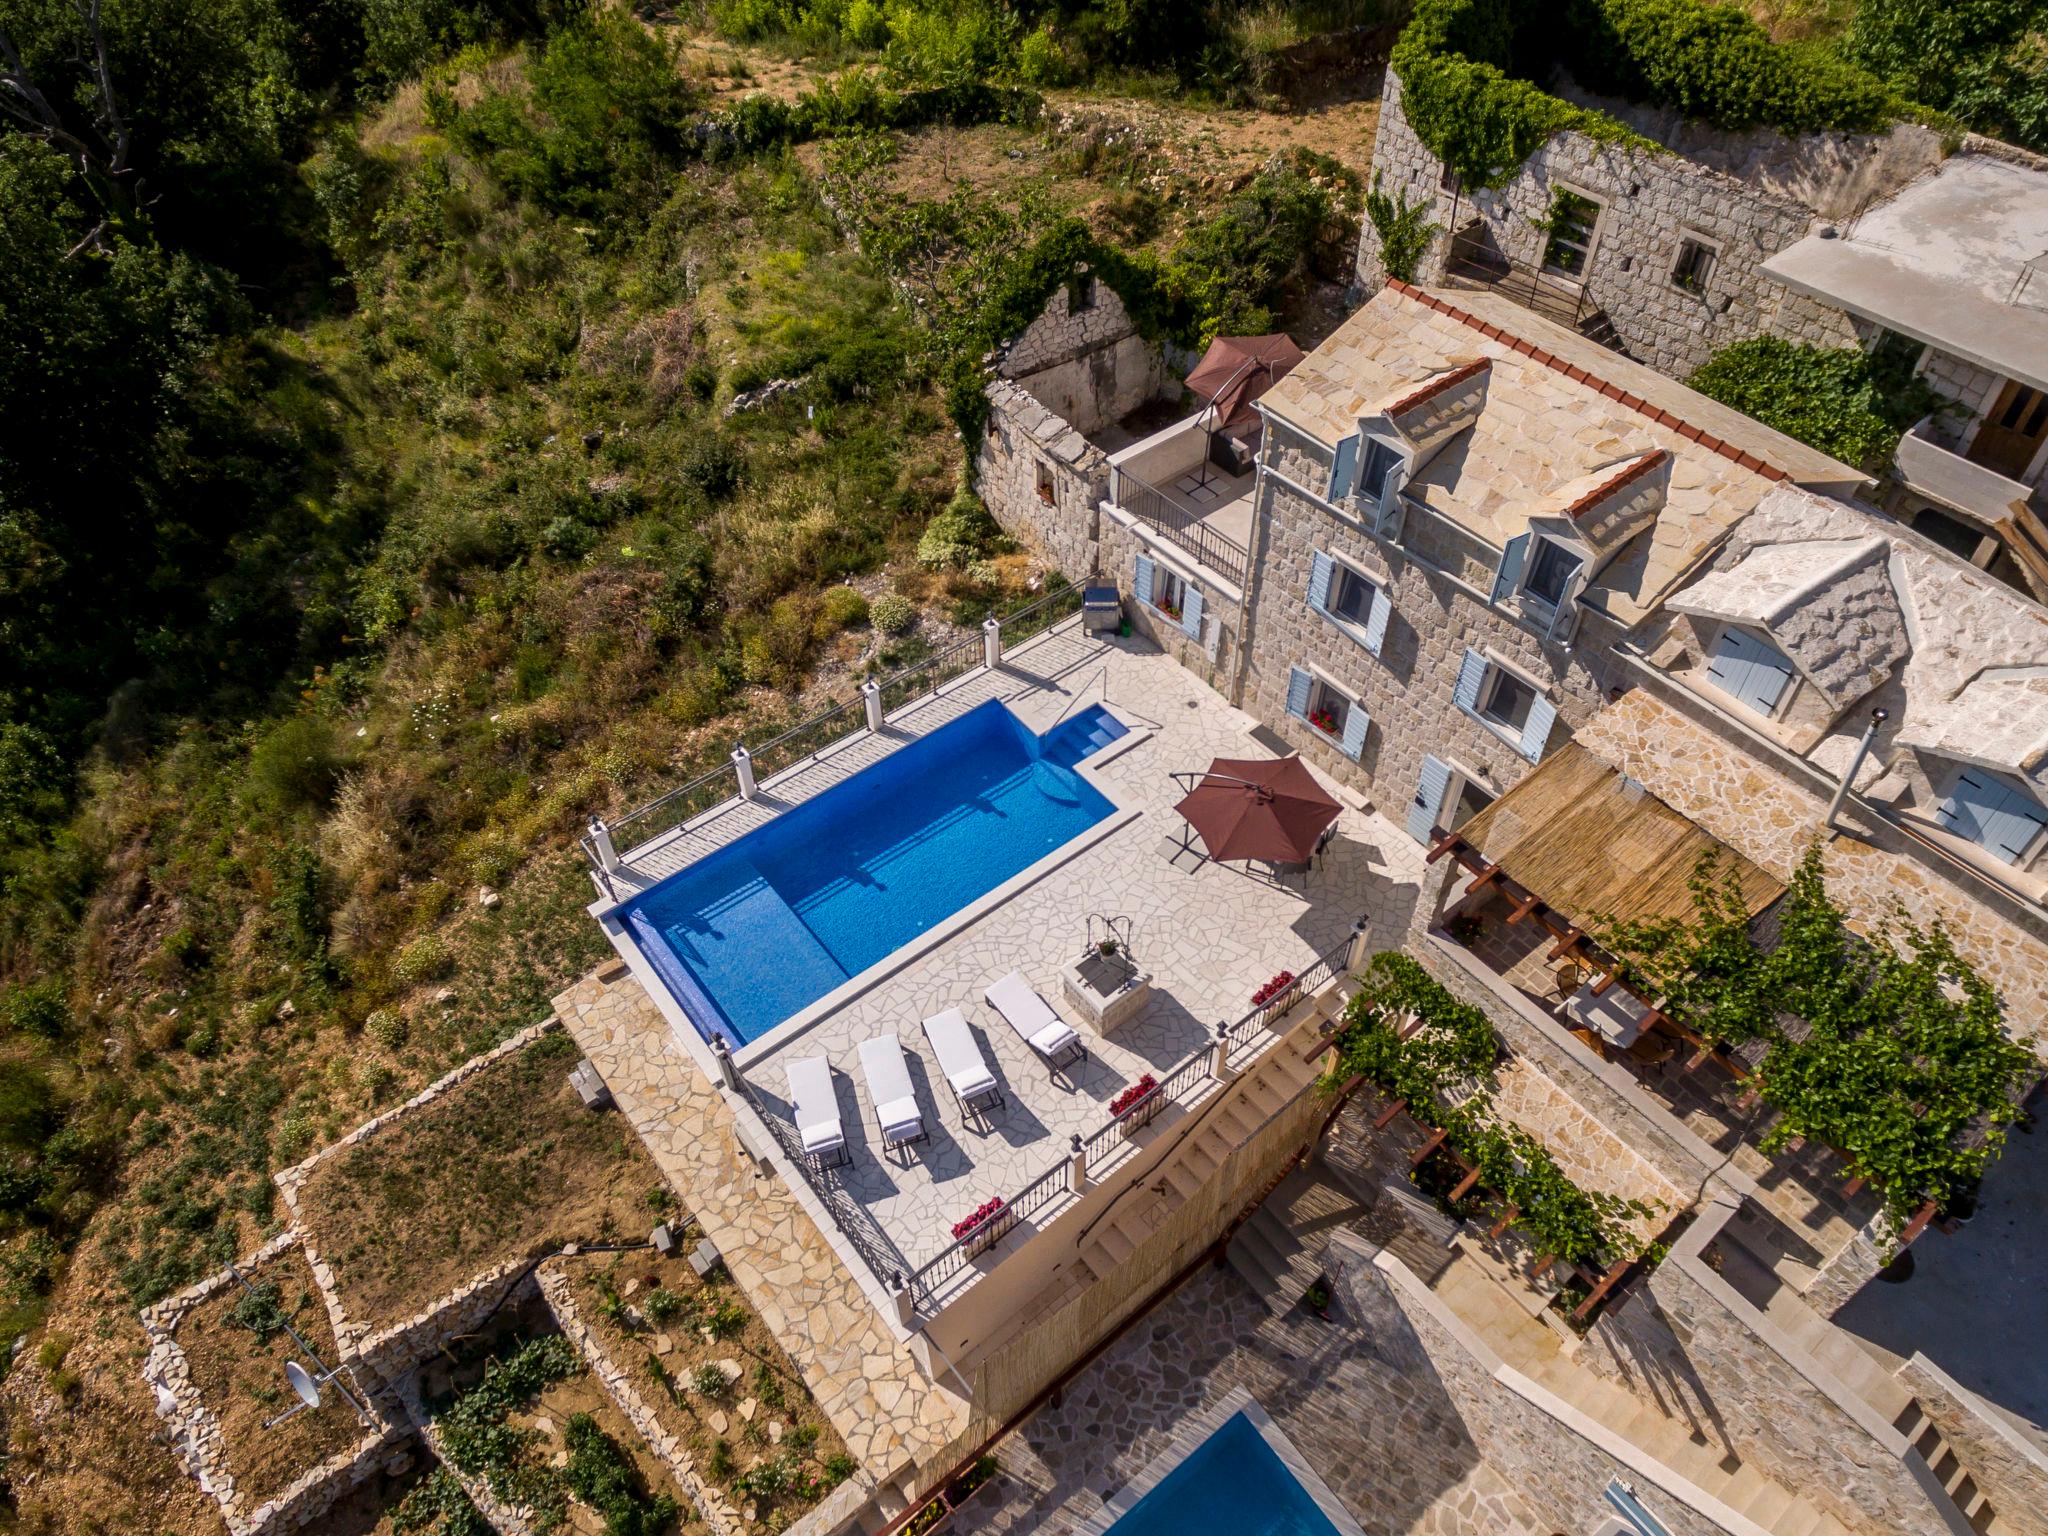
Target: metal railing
1183 1080
1565 300
1180 527
808 737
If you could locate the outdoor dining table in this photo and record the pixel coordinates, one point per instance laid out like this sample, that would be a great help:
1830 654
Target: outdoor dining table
1613 1015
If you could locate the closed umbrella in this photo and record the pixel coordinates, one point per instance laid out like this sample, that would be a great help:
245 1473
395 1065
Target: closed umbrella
1259 808
1236 370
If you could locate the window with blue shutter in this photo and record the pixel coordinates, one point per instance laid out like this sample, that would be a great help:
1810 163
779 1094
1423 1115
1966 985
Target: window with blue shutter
1376 626
1536 729
1428 803
1356 720
1510 570
1321 568
1298 685
1141 584
2002 820
1471 678
1381 460
1748 668
1344 468
1191 612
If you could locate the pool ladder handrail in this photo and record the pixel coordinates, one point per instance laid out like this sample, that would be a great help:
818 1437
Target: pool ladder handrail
1101 676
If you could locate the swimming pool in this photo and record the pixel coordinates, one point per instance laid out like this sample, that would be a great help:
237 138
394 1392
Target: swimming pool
1232 1484
754 933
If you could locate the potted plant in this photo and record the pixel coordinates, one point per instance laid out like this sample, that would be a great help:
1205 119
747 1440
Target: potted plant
1324 719
1464 928
1108 948
1137 1104
1317 1297
985 1225
1272 989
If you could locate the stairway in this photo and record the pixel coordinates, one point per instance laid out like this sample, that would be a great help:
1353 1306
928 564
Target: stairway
1279 1251
1469 1287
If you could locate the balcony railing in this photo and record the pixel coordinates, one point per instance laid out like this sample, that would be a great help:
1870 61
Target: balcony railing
1180 527
1242 1041
1471 259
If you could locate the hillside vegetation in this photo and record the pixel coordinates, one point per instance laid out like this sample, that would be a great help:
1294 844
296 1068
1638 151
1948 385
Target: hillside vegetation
381 495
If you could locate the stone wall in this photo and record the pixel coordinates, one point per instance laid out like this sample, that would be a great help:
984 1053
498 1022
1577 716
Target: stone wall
1408 689
385 1350
1651 202
195 1431
2011 1470
1214 657
1090 367
617 1382
1557 1465
1022 440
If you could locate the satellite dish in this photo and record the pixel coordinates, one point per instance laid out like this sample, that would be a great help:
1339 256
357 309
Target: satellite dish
302 1382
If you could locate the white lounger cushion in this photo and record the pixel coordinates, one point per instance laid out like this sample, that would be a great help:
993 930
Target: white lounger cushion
1030 1015
888 1077
815 1104
959 1057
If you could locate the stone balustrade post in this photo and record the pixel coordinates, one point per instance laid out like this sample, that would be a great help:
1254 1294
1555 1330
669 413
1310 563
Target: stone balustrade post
728 1069
601 840
871 701
991 642
1219 1064
743 765
899 1293
1077 1167
1360 951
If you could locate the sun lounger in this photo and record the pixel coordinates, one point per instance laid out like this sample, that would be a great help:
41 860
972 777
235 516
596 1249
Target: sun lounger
816 1108
888 1079
967 1071
1032 1017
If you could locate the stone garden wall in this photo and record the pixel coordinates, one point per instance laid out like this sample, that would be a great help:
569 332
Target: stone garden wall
1023 438
384 1351
1089 367
2011 1469
195 1432
1651 201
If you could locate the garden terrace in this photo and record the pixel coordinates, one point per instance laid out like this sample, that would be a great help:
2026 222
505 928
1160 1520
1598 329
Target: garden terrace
1577 846
236 1345
504 1165
1210 935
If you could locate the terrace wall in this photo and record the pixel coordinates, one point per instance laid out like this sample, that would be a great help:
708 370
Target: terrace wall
2011 1469
1651 202
1023 437
1090 368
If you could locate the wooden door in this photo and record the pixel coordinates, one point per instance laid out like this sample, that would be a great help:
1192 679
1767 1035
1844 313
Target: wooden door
2011 434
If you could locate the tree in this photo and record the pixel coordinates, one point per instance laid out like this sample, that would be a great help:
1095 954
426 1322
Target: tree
97 147
1891 1050
1983 61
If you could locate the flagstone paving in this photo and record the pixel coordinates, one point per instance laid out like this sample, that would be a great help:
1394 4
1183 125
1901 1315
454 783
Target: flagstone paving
873 1392
1377 1427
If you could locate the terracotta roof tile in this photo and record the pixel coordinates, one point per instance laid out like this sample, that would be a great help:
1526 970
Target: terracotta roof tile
1629 473
1429 388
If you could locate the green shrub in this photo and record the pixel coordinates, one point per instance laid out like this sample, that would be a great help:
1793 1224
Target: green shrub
893 614
958 536
566 538
712 464
387 1027
422 960
295 764
1840 400
260 1309
1403 228
602 1476
663 1306
710 1381
36 1008
844 608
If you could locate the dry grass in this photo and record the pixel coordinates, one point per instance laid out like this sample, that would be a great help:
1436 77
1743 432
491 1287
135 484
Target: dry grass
508 1165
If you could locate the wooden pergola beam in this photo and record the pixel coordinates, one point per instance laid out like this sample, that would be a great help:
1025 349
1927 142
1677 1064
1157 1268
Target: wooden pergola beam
1484 878
1464 1186
1436 1140
1450 842
1599 1292
1507 1220
1528 904
1567 943
1918 1224
1387 1115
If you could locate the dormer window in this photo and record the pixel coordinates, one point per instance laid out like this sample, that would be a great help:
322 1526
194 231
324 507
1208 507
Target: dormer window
1998 816
1550 571
1749 669
1381 460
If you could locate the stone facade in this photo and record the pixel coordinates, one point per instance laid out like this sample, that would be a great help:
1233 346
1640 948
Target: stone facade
1042 481
1089 365
2011 1469
1651 202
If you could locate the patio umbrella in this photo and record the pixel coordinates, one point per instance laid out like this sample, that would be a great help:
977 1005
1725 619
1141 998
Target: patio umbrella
1258 808
1236 370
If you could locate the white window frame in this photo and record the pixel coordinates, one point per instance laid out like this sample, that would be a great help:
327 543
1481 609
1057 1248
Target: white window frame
1319 683
1499 678
1559 620
1369 632
1532 740
1543 548
1323 691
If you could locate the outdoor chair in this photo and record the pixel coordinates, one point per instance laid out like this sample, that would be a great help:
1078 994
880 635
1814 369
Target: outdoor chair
895 1100
816 1108
1055 1040
967 1071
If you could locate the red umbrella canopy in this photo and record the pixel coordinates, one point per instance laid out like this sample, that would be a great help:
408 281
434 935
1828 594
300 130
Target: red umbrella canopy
1236 370
1258 808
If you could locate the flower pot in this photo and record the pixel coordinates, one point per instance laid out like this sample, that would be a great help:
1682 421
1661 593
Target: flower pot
988 1234
1140 1113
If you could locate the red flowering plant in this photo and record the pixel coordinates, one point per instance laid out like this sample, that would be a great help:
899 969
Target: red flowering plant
1324 720
980 1216
1132 1095
1273 988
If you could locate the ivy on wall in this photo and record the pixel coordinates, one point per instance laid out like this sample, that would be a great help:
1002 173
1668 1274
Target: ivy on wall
1443 1071
1850 404
1470 73
1404 230
1889 1050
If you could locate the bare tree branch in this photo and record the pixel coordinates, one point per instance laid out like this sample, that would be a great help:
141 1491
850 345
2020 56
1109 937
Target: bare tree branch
105 167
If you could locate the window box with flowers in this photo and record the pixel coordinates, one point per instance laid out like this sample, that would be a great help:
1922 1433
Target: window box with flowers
984 1226
1137 1104
1277 995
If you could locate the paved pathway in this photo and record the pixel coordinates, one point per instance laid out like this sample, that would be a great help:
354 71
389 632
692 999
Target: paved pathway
880 1403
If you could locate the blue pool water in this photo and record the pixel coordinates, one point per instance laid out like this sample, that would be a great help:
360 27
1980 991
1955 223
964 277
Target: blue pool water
1230 1485
767 925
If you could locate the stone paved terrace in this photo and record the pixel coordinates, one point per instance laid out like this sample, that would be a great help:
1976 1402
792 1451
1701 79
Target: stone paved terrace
1209 933
1376 1425
878 1400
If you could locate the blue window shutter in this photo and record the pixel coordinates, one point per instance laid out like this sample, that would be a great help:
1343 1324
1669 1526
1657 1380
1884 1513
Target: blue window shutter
1298 685
1429 798
1991 814
1376 622
1321 570
1344 469
1536 729
1355 722
1471 677
1750 669
1191 612
1511 560
1142 582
